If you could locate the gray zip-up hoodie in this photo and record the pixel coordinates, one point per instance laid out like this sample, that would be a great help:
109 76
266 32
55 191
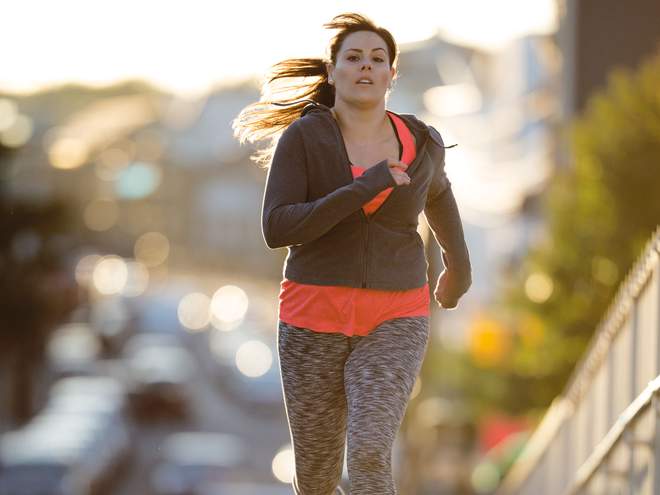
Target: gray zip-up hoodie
313 206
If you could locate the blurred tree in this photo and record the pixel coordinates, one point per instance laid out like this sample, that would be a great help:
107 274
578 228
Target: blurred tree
37 289
599 215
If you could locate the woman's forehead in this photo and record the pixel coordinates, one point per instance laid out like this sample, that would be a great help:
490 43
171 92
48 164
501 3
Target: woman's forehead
364 41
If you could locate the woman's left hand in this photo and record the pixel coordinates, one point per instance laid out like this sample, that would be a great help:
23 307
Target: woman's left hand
446 293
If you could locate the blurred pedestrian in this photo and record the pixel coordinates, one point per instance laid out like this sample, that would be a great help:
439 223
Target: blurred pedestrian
347 180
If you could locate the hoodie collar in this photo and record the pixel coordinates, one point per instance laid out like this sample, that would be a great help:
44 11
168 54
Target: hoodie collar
419 129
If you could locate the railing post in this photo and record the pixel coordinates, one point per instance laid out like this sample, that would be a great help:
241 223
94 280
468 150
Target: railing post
630 429
655 291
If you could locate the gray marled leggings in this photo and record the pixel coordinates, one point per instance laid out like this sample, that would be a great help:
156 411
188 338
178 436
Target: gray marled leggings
335 384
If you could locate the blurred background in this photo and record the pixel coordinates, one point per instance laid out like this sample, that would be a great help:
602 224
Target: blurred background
139 302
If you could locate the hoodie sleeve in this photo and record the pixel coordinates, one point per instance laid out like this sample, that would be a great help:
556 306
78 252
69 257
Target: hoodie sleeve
441 213
287 217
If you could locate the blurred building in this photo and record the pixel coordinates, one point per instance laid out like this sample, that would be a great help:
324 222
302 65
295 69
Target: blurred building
147 162
597 36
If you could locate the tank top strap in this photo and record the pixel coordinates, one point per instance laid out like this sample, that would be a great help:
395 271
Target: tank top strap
406 138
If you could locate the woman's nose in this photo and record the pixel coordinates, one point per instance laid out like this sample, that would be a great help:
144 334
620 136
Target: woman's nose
366 66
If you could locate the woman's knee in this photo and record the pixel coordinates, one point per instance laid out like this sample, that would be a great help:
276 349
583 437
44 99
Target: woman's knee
315 484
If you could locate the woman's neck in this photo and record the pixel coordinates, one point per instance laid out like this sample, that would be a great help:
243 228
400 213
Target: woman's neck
362 126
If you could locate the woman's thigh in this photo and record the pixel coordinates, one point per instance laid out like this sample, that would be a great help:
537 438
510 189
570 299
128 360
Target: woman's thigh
379 376
312 371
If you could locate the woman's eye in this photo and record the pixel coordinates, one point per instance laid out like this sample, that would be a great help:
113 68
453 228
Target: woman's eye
351 57
378 59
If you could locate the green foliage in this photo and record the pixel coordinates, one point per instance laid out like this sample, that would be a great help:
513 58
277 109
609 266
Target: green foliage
599 214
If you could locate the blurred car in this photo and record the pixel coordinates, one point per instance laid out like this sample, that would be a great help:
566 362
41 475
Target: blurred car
88 413
52 473
87 385
190 459
108 411
260 394
54 454
73 349
145 340
113 319
158 381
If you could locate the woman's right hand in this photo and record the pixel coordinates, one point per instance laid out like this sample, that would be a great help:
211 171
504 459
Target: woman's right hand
397 169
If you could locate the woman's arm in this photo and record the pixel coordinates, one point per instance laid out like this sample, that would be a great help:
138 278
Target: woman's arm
287 217
441 212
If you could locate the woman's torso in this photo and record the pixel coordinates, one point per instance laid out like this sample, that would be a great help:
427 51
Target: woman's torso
355 311
381 251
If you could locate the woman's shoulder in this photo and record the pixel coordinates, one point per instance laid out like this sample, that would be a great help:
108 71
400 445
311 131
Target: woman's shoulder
315 120
421 126
313 124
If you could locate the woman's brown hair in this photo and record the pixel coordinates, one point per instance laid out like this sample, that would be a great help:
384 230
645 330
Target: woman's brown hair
263 119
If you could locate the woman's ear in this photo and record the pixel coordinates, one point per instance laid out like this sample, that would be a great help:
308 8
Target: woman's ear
329 68
394 75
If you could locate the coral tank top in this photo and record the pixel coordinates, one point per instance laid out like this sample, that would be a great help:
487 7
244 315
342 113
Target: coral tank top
353 310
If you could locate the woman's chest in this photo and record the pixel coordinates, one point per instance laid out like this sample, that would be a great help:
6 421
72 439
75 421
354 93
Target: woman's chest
366 156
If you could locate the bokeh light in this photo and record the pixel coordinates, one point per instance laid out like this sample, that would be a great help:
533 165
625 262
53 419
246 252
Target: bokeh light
489 341
284 464
538 287
137 279
254 358
138 180
228 305
68 153
604 270
101 214
110 275
194 311
18 132
8 113
152 248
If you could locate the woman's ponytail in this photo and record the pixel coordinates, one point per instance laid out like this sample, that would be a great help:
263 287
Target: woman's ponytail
281 104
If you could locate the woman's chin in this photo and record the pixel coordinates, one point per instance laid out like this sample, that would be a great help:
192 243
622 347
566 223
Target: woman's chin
364 99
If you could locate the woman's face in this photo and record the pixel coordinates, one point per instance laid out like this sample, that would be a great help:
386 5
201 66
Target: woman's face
362 55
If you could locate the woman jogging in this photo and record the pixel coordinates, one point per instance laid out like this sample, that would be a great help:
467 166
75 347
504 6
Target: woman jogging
347 180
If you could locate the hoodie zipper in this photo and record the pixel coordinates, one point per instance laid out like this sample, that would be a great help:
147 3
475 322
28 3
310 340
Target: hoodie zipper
363 214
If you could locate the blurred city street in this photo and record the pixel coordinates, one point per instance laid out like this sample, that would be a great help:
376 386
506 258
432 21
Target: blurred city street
213 408
215 398
139 296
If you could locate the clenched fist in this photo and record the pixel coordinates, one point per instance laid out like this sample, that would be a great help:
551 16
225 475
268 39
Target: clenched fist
447 293
397 169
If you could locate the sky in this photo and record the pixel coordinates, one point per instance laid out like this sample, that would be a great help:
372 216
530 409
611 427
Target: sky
190 46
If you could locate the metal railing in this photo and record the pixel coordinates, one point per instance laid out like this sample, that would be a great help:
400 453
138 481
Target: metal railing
600 436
